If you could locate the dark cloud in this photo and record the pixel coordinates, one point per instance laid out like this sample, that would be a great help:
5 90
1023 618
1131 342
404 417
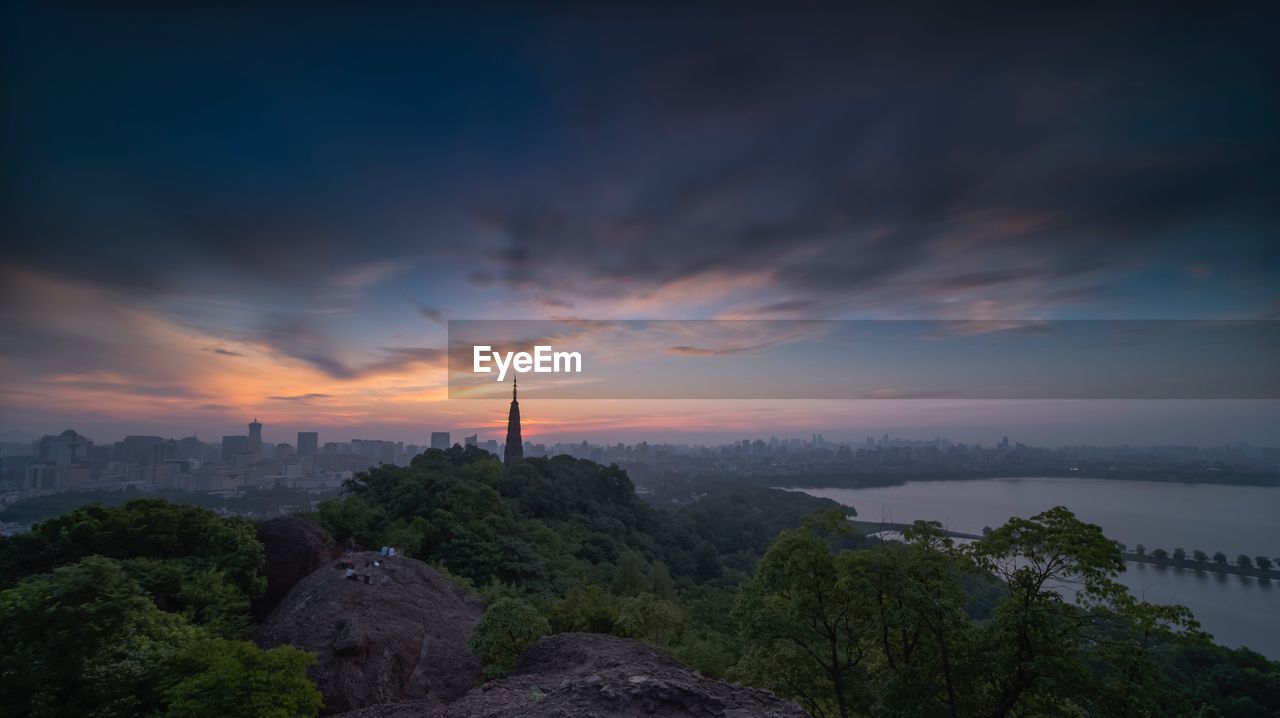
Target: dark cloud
553 302
301 398
691 351
786 306
302 337
225 352
1032 154
432 313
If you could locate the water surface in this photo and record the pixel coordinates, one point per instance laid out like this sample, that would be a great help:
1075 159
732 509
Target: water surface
1237 610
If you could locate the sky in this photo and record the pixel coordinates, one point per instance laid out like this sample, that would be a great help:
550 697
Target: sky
215 212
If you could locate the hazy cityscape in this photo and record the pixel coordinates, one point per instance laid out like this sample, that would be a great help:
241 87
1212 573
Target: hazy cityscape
71 462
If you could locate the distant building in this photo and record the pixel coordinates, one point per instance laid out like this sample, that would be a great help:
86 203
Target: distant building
64 449
255 436
473 440
308 443
233 445
440 440
143 450
189 447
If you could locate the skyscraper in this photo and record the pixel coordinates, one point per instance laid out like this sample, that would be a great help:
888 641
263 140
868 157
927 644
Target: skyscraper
308 442
440 440
514 450
255 437
233 446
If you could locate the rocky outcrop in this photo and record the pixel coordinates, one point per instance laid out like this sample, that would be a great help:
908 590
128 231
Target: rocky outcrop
402 635
587 674
294 548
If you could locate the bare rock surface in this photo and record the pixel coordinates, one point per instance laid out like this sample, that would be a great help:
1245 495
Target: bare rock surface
587 674
403 635
294 548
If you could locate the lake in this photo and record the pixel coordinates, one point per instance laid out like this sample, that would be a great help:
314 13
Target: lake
1237 610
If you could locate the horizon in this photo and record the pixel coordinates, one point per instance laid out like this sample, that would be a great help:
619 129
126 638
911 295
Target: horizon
972 435
282 224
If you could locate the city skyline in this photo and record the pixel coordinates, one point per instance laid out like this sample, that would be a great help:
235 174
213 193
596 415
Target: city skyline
567 433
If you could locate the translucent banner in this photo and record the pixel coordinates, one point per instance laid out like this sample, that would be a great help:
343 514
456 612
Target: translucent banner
830 359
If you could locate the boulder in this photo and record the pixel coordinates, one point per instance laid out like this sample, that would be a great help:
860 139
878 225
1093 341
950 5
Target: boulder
587 674
294 547
403 635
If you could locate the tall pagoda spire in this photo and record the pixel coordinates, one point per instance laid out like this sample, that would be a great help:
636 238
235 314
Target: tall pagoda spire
514 450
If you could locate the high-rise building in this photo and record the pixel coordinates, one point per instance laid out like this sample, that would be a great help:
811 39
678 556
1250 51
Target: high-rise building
473 440
514 450
63 449
255 437
233 446
144 450
440 440
308 443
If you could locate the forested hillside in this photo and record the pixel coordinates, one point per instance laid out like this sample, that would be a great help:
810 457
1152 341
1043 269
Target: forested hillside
138 610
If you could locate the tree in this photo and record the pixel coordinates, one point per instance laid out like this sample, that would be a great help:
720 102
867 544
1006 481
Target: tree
161 545
631 576
1140 550
352 520
1244 561
585 607
1032 644
663 586
1262 562
1160 554
217 678
1200 556
651 619
925 639
1220 558
506 630
84 640
805 623
1179 554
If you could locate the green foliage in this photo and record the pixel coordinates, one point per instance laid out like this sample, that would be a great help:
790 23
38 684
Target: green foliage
235 679
210 601
506 630
86 640
631 576
351 520
1219 681
541 525
251 500
741 522
188 559
587 608
806 627
764 586
887 631
651 619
